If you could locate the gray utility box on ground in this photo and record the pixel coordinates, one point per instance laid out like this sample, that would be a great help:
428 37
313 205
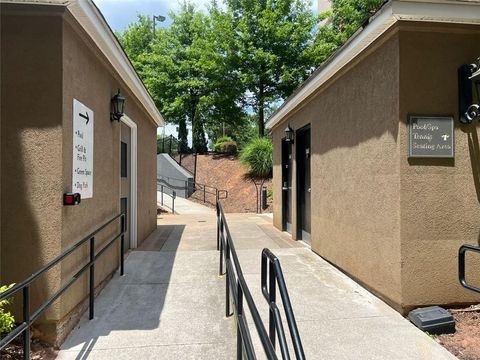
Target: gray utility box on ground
433 319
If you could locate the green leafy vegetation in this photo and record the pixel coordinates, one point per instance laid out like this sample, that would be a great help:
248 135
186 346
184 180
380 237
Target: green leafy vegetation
7 321
339 23
270 194
225 70
225 144
257 156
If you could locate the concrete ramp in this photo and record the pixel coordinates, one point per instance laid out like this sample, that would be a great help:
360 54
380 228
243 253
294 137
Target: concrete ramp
171 174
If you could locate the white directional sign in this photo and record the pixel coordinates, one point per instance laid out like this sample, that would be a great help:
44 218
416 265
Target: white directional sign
82 172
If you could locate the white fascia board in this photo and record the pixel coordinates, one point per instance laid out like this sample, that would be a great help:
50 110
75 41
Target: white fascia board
457 12
464 12
93 23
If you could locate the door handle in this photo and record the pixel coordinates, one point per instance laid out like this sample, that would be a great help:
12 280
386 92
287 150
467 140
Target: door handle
309 190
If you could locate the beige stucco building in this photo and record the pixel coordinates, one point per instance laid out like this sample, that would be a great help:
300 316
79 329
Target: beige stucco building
348 186
55 54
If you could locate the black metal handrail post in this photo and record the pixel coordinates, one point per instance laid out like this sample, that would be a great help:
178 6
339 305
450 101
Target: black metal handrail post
92 279
122 245
240 292
26 320
275 277
240 315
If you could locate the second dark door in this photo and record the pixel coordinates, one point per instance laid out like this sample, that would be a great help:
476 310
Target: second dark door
303 155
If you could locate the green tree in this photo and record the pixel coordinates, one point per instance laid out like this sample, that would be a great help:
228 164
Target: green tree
339 23
271 43
187 69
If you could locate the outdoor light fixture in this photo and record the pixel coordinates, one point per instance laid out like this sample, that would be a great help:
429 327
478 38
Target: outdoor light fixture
118 106
289 134
158 18
469 92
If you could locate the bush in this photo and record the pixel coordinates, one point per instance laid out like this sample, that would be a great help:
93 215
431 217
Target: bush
6 318
223 139
270 194
257 156
226 145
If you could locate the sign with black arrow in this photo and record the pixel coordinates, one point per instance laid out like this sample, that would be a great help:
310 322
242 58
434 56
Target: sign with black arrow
82 169
85 116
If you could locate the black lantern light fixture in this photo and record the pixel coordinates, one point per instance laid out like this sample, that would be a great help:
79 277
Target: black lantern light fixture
289 134
469 92
118 106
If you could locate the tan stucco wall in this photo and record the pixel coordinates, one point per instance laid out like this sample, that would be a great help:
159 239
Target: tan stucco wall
88 78
355 172
50 62
392 223
31 149
440 207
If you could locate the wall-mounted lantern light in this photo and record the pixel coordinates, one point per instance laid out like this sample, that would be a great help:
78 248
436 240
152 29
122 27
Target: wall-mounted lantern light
289 134
118 106
469 92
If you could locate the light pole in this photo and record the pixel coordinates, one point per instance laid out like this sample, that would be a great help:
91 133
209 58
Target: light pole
156 18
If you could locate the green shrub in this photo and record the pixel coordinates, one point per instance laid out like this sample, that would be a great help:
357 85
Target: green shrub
257 156
270 194
6 318
223 139
226 145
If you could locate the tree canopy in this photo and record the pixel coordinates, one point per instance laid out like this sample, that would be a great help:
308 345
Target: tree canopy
225 69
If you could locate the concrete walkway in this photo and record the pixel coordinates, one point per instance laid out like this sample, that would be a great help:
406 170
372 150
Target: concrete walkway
170 304
182 206
167 306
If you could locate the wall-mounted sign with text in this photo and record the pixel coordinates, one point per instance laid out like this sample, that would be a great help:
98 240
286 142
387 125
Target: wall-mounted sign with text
431 137
82 172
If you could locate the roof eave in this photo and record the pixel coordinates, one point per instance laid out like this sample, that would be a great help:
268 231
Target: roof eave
465 12
90 18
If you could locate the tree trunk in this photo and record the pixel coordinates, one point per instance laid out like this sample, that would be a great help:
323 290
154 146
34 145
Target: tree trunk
261 115
199 142
182 136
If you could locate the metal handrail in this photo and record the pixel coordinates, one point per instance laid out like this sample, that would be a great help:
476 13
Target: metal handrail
220 194
29 318
173 194
461 265
272 270
173 140
236 284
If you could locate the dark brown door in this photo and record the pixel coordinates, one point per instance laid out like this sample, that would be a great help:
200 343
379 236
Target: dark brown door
303 155
287 186
125 171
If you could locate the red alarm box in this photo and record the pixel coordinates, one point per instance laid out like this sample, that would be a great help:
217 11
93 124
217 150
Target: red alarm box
71 199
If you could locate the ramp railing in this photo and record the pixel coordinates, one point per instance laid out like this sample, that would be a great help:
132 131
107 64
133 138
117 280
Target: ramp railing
461 265
29 317
238 293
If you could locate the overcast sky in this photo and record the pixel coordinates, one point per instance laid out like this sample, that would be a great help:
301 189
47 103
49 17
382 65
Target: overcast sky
120 13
